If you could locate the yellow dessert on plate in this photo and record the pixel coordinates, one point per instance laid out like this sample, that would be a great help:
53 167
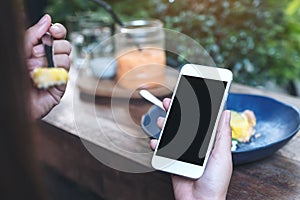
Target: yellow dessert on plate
242 125
44 78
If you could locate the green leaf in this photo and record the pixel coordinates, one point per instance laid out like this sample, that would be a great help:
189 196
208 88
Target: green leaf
292 7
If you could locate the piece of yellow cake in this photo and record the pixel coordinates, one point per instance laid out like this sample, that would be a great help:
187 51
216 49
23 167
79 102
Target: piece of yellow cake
242 125
44 78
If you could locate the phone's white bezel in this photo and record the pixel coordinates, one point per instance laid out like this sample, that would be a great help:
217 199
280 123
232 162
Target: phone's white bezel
184 168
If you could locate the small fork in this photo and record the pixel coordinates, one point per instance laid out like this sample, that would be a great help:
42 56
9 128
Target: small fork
47 41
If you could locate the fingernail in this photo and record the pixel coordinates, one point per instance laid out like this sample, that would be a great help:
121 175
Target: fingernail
160 122
55 29
43 20
226 119
160 119
38 51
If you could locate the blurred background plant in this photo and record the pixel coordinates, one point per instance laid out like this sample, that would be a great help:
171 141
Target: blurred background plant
259 40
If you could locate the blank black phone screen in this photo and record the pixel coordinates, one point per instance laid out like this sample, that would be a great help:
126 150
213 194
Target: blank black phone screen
191 119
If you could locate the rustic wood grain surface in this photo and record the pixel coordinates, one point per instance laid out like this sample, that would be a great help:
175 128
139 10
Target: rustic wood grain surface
103 125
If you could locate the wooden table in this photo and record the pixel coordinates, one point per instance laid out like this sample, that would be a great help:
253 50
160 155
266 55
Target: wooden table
92 120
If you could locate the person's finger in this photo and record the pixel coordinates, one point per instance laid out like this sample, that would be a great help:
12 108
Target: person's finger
220 160
60 60
57 92
60 47
35 33
223 140
33 63
160 122
58 31
153 143
166 103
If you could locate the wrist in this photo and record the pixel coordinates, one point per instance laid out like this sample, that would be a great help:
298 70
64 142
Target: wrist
209 196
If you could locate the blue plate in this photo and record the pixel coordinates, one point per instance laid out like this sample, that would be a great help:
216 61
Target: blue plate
277 123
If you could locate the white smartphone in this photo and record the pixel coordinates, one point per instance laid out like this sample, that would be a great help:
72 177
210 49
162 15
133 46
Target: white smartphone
189 130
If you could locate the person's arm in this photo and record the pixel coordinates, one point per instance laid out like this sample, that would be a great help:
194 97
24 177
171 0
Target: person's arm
42 101
214 182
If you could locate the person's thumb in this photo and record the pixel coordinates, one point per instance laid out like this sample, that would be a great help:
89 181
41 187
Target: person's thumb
35 33
223 140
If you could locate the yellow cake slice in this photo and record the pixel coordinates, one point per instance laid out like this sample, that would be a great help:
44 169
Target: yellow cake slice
44 78
242 125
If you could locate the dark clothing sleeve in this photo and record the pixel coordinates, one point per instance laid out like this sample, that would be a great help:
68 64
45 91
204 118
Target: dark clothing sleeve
34 10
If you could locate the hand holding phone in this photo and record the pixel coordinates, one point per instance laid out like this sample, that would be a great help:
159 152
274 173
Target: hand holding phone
215 180
190 126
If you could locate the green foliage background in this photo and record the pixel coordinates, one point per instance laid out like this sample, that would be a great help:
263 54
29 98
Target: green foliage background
258 40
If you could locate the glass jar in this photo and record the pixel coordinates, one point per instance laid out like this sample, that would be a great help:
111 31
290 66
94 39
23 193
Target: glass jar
141 57
88 31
